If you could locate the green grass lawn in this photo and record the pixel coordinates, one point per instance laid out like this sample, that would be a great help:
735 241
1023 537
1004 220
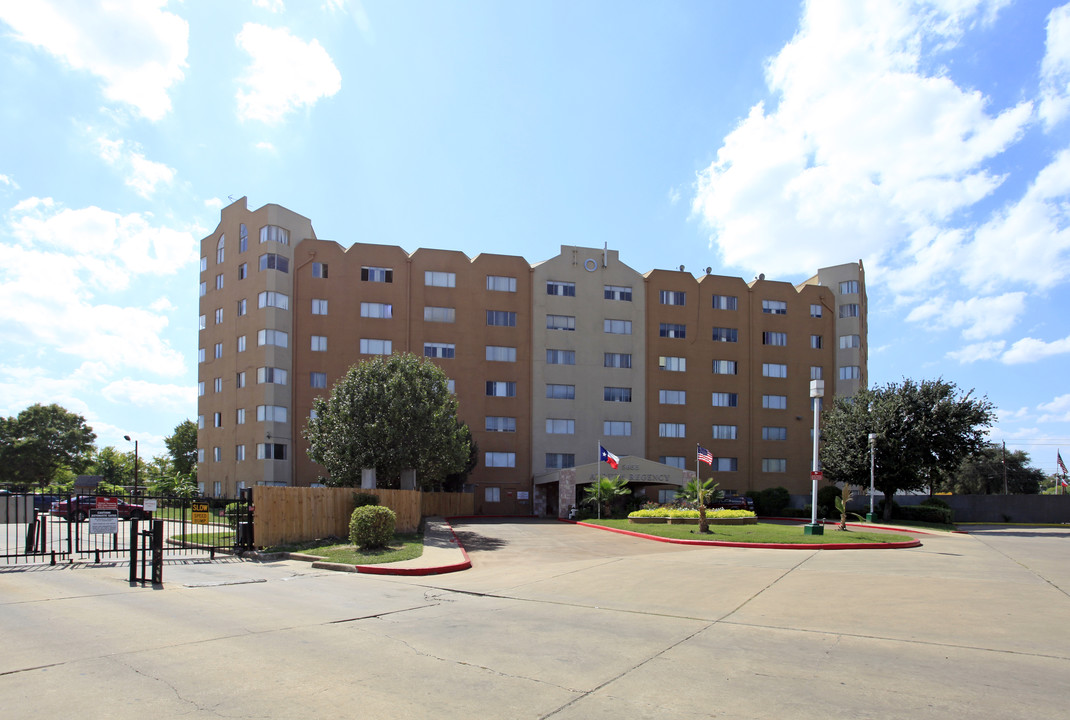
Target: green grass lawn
760 533
218 538
406 546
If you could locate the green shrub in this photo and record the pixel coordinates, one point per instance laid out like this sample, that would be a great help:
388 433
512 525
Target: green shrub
372 526
674 513
925 513
803 512
361 499
771 501
936 502
234 512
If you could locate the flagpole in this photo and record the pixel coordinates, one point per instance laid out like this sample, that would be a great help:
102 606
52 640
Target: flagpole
598 480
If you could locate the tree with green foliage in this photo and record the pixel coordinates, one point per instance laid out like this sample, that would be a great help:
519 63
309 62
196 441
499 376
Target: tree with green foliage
924 430
116 468
701 494
982 473
603 491
41 440
391 413
182 447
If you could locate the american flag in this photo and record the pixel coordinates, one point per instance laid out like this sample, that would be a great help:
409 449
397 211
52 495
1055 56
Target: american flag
705 455
1059 460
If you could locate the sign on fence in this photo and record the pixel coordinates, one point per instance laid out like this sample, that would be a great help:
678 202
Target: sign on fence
199 513
104 517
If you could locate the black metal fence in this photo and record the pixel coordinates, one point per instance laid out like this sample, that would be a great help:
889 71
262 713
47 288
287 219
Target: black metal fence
36 528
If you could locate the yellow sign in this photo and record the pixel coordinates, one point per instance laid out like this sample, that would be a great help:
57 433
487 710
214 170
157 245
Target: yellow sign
200 513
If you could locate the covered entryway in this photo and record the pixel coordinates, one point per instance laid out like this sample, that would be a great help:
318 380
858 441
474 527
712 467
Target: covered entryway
556 491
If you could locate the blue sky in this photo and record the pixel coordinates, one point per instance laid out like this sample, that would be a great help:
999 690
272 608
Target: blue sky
931 140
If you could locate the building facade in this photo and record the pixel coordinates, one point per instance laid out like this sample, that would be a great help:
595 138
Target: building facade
547 360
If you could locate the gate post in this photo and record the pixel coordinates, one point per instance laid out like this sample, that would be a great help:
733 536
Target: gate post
157 552
135 538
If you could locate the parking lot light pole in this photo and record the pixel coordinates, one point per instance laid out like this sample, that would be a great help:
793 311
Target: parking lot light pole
872 465
817 391
127 438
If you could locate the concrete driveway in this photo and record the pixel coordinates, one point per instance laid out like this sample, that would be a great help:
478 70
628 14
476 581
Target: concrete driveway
556 620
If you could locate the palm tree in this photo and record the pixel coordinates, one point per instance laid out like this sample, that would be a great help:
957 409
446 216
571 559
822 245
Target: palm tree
700 493
601 492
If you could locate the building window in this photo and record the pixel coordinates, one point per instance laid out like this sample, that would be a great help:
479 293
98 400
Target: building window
271 337
273 375
672 364
774 465
560 357
815 311
217 456
616 360
499 283
724 464
562 289
270 413
317 379
219 249
500 353
218 315
676 461
560 392
672 397
620 428
850 341
219 281
319 270
243 238
725 367
815 372
240 416
721 399
849 287
204 264
850 310
377 274
242 307
439 314
217 385
672 430
501 318
217 420
560 322
618 292
319 343
218 350
203 289
200 355
241 343
501 389
239 452
319 306
440 279
617 394
274 233
270 451
556 461
672 330
774 307
273 299
774 338
672 297
439 350
775 402
200 455
492 494
815 342
774 370
495 423
377 310
239 379
500 459
725 302
724 432
560 426
243 271
617 327
200 389
372 346
451 386
202 322
273 261
725 334
850 372
774 433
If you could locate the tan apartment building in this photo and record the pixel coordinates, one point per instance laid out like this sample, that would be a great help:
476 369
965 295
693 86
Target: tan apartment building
547 360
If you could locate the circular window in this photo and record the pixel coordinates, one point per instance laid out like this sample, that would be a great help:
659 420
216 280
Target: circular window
590 264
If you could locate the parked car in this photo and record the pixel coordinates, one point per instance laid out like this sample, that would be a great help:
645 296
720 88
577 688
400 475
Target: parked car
44 503
732 502
78 509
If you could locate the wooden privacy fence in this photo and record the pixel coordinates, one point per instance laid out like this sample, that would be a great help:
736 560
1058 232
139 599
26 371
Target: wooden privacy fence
297 514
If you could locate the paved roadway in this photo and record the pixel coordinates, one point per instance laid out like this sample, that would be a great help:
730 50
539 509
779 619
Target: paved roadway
560 621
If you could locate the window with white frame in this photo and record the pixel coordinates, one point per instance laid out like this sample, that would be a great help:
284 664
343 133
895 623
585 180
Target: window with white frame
243 271
319 306
218 350
270 413
723 399
378 310
217 456
218 316
242 307
724 464
500 459
270 451
219 254
815 342
492 494
815 311
560 426
555 461
200 388
672 364
241 343
774 338
243 238
849 287
319 270
560 322
676 461
775 402
319 343
772 432
439 350
620 428
672 397
374 346
501 318
200 422
774 370
274 233
850 341
202 322
725 302
317 379
240 416
560 357
815 372
560 392
497 423
217 384
774 307
217 420
672 330
617 327
672 297
850 372
273 375
200 355
501 283
721 334
377 274
272 337
501 388
203 289
617 394
849 310
774 465
617 360
439 314
500 353
273 299
672 430
219 281
204 264
239 452
618 292
724 432
560 288
200 455
435 278
725 367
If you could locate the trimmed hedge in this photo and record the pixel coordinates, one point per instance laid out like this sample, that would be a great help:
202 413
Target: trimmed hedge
923 513
372 526
672 513
771 501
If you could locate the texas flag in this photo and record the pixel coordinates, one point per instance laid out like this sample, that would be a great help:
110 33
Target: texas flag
608 457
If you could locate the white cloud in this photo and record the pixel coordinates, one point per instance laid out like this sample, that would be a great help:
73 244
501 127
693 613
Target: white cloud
980 317
1058 410
148 394
214 203
978 351
266 146
143 175
135 47
5 180
1029 350
22 386
286 73
275 6
1055 69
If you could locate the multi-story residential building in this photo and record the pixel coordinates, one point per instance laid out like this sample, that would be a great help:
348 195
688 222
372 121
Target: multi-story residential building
548 361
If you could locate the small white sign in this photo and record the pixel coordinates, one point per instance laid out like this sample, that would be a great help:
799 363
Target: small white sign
522 495
150 505
103 522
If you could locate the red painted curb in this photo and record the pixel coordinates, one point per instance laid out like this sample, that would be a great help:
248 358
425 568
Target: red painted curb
436 570
770 546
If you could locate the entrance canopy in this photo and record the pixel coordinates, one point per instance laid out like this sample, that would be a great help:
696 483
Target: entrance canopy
637 471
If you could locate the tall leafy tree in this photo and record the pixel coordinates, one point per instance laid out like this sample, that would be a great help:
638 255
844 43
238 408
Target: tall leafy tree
41 440
117 468
982 474
390 413
924 431
182 447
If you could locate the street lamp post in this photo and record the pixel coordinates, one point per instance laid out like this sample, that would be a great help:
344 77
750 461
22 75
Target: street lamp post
127 438
817 391
872 465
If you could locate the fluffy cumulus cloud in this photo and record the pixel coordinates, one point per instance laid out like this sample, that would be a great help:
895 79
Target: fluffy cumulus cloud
980 317
136 48
149 394
1058 410
141 174
1029 350
286 73
1055 68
